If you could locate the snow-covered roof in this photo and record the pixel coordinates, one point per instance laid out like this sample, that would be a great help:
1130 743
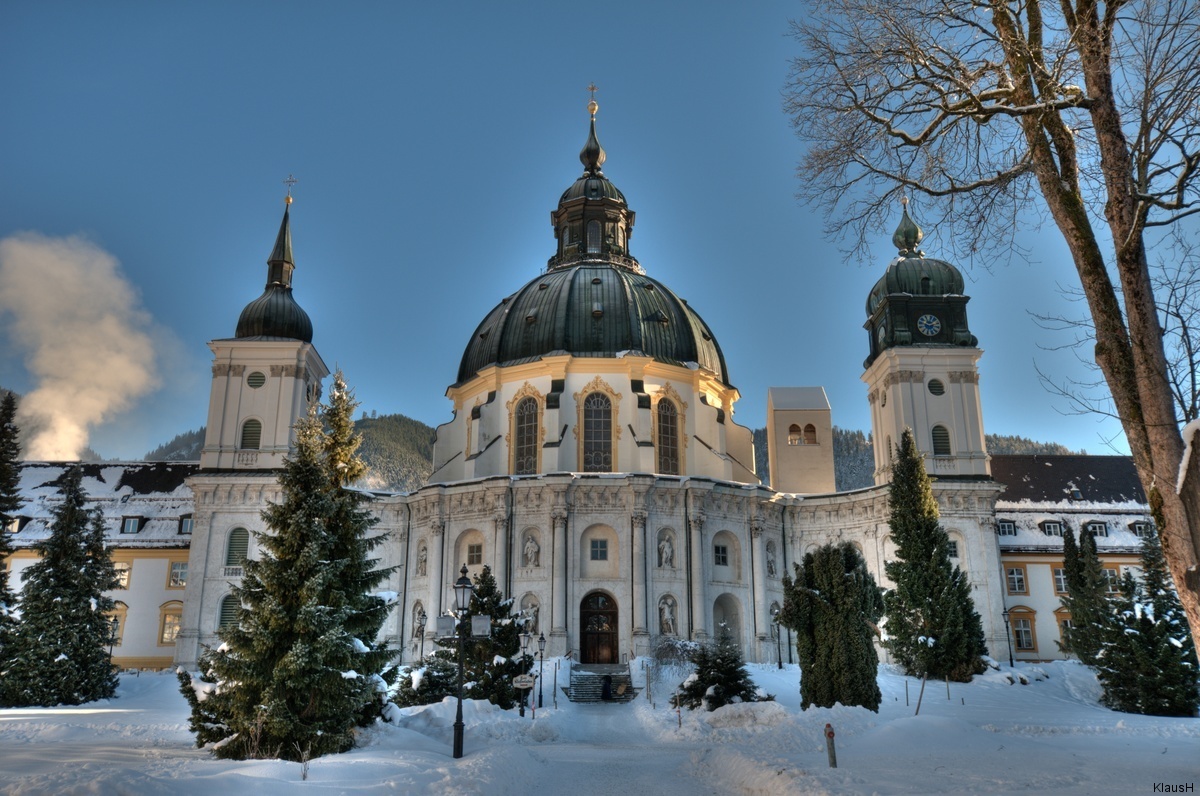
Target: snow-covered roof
155 493
798 398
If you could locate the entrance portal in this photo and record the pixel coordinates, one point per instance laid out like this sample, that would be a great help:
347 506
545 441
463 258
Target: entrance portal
598 629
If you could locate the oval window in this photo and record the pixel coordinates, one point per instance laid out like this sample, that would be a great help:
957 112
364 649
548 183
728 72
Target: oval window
256 379
936 387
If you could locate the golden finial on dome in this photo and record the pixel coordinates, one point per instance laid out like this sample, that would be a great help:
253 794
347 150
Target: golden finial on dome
289 182
592 105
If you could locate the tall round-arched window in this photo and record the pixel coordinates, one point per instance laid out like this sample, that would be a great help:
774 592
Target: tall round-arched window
597 433
810 434
593 237
525 442
794 434
941 441
251 435
228 614
668 438
237 547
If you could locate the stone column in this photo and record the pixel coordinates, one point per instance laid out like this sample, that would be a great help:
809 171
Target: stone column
698 614
639 573
558 625
762 616
503 567
437 555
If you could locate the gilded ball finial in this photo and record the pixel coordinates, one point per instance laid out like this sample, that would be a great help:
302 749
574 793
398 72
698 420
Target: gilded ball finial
593 106
288 200
904 201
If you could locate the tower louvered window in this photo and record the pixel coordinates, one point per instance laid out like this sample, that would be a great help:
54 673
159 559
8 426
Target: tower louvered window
228 615
525 448
251 435
238 546
668 438
597 434
941 441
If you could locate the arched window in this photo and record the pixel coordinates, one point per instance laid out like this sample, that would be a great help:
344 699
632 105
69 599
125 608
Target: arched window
668 438
597 433
941 441
593 237
228 616
251 435
236 549
810 434
794 434
170 620
525 452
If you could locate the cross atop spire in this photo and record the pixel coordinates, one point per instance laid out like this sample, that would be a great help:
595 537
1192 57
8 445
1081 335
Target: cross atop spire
289 182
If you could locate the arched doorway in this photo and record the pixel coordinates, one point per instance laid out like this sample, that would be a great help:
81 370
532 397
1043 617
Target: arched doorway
598 629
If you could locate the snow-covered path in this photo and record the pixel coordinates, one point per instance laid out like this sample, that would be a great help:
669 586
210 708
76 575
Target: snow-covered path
1048 737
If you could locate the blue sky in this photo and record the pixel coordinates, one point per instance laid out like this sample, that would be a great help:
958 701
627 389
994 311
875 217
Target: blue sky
431 141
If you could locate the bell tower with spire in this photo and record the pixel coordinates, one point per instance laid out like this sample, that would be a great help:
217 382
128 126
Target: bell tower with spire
266 375
922 372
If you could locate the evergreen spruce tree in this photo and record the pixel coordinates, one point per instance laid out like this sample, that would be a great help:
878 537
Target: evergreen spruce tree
434 680
489 664
720 678
301 667
1147 661
833 606
10 504
932 627
59 653
1086 599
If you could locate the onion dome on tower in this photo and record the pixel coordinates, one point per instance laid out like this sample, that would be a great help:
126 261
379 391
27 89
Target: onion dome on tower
594 300
918 301
275 313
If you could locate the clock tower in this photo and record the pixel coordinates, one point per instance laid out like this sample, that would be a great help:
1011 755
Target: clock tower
922 372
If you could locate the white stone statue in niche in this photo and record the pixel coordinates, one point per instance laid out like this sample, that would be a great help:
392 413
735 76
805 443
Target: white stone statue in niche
666 616
529 614
422 558
533 553
770 560
666 553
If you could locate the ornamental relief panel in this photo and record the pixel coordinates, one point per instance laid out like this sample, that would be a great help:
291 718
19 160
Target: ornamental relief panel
903 376
964 377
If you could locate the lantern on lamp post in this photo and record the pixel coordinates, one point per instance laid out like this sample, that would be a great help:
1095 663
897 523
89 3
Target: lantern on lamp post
541 664
463 590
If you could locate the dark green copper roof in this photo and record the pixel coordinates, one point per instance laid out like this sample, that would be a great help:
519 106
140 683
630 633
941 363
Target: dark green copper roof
275 313
593 303
592 309
912 272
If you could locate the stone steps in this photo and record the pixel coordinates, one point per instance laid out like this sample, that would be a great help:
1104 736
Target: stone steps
587 684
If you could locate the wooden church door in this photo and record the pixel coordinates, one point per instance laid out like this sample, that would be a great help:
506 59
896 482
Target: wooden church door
598 629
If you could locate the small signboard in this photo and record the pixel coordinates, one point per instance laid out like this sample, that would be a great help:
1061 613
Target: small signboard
445 626
523 681
481 626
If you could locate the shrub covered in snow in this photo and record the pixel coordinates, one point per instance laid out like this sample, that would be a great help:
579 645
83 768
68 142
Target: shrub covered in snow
720 678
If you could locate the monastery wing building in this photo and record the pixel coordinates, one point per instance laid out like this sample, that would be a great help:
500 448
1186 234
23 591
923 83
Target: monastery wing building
593 462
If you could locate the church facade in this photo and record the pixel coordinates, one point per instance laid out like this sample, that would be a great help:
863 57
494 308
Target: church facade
593 463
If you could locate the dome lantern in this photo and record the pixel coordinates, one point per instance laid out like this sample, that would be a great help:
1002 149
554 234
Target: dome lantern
275 313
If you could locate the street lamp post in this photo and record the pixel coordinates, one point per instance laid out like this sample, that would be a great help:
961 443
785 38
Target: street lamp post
541 664
462 599
421 620
775 632
114 629
1007 636
525 637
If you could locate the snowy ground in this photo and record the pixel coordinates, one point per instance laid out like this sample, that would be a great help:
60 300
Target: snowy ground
1049 736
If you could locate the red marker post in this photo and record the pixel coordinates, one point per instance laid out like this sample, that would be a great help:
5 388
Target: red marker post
829 746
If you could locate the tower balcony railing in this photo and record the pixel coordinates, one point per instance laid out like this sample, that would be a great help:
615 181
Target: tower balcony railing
571 258
246 458
233 572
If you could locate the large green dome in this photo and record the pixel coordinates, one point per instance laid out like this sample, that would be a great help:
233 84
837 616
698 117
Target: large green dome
594 300
592 309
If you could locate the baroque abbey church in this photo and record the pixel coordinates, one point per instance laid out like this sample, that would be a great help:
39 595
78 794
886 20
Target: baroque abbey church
593 463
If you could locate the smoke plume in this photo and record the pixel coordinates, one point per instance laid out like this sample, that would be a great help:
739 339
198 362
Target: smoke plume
82 332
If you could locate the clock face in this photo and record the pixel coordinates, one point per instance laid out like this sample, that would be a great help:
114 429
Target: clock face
929 325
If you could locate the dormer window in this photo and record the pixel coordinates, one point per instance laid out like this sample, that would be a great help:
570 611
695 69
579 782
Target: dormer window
17 524
1143 530
1052 528
185 524
1006 528
131 524
1096 529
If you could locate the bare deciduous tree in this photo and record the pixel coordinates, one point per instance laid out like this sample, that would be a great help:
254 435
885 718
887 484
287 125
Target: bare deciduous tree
989 110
